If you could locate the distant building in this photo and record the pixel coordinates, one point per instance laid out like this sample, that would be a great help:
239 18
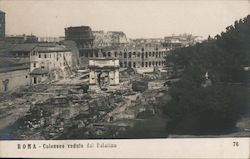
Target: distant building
178 41
2 25
142 59
82 35
99 39
14 72
19 51
83 38
32 63
110 38
20 39
31 39
50 39
50 61
144 55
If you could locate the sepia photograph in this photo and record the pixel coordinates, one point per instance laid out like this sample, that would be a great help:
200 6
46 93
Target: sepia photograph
107 70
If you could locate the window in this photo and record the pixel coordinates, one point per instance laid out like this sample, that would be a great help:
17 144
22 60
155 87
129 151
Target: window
142 55
134 65
42 67
125 55
149 64
45 56
149 54
138 54
146 54
34 64
115 54
129 64
109 54
129 55
104 54
121 64
39 56
96 54
142 64
86 54
146 64
125 64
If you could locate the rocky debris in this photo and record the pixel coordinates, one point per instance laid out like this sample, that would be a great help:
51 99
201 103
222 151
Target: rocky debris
156 84
128 71
139 86
57 115
59 110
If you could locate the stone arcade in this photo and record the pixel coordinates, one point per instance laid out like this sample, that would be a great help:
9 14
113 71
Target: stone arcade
104 72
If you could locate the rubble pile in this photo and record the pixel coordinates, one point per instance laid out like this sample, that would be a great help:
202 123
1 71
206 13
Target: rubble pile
70 110
53 117
15 105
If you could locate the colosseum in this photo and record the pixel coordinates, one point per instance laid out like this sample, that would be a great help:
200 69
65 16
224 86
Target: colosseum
143 59
143 55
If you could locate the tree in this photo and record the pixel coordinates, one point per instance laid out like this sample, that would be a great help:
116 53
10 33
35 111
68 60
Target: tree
215 109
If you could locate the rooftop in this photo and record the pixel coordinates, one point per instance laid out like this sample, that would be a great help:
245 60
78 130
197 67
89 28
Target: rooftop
27 47
9 61
78 32
51 48
8 64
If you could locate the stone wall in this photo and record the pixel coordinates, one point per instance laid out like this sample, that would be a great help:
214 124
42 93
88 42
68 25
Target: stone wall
15 79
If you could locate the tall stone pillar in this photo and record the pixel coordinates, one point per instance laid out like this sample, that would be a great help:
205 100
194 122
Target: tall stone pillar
116 76
92 77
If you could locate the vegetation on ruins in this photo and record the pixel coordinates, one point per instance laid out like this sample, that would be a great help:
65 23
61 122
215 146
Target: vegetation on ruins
197 108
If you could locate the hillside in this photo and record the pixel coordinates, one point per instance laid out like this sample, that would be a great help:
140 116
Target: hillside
213 91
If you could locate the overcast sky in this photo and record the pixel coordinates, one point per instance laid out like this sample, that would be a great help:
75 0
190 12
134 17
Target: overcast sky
138 19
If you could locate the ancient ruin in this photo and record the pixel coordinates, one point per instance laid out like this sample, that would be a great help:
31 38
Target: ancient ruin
104 72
